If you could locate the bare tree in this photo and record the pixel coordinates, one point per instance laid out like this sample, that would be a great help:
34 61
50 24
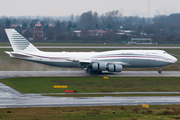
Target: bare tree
8 23
112 20
89 20
72 18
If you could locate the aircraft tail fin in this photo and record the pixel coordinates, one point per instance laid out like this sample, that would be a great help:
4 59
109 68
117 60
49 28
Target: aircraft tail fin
18 42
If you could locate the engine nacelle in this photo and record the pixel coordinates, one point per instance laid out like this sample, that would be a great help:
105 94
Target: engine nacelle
114 68
95 66
98 66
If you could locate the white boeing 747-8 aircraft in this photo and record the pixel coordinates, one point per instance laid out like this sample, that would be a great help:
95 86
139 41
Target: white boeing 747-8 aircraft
92 62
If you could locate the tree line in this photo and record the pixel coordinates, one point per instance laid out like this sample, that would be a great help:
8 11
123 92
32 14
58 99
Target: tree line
161 28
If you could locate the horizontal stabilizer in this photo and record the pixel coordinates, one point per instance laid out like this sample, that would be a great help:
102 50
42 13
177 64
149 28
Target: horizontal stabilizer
7 52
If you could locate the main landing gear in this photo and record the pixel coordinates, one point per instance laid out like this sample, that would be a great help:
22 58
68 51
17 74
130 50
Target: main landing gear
89 70
160 71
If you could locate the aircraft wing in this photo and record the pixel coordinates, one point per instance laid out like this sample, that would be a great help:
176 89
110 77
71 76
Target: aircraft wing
82 63
120 63
89 62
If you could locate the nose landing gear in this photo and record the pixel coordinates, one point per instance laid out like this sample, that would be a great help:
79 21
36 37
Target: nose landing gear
160 71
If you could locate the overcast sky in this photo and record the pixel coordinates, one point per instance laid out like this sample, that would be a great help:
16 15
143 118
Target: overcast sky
77 7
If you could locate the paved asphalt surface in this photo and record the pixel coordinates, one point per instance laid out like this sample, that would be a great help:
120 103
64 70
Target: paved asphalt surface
10 98
120 47
121 93
5 74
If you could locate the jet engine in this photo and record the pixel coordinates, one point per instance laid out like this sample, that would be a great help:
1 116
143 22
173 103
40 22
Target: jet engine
98 66
103 67
114 68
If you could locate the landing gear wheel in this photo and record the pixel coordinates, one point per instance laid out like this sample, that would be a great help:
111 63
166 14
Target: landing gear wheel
159 71
88 71
99 72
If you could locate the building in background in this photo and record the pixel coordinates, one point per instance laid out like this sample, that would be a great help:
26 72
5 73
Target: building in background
138 41
77 33
38 31
97 32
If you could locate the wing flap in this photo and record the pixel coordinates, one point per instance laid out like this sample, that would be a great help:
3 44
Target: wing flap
120 63
80 61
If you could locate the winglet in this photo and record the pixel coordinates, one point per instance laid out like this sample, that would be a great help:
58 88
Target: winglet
18 42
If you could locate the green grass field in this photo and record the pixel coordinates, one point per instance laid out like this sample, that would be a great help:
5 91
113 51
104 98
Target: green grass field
10 64
94 84
160 112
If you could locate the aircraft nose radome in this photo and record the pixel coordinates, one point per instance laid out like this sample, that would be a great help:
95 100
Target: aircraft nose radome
174 59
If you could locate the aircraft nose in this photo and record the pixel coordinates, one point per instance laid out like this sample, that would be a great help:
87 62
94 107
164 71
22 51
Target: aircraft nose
174 59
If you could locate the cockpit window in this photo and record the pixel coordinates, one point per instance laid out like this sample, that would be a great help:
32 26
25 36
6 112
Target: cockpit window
165 52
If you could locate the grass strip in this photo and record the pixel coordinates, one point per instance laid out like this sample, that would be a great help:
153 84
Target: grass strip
94 84
155 112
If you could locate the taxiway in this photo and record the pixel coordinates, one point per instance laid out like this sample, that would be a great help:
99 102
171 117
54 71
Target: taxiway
10 98
5 74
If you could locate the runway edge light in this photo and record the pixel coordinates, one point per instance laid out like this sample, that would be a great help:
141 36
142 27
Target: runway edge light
145 106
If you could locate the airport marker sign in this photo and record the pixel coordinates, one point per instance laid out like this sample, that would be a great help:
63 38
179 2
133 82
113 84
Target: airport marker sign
60 86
